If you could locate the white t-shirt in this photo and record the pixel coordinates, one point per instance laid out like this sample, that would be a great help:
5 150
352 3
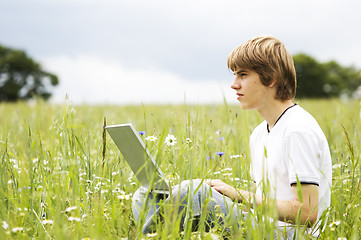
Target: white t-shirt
295 148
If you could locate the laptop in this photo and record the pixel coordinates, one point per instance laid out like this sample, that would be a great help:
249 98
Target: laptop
128 141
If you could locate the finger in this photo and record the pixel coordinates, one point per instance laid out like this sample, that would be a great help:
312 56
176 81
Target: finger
211 182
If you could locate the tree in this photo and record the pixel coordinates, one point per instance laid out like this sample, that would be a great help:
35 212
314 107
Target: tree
311 77
22 78
343 80
330 79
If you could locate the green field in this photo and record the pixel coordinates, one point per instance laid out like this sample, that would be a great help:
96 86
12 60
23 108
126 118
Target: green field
58 183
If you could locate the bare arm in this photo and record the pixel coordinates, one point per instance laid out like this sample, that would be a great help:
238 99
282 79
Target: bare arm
306 209
288 211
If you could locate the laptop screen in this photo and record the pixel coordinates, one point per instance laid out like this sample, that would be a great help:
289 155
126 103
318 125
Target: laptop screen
134 151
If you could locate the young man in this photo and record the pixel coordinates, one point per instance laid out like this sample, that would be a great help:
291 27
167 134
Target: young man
290 158
288 150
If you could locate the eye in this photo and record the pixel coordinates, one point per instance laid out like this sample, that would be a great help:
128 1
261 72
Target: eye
241 74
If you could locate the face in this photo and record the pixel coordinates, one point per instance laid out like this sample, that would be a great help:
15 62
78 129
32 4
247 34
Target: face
251 93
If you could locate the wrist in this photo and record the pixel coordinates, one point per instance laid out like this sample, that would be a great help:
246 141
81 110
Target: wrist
246 197
242 196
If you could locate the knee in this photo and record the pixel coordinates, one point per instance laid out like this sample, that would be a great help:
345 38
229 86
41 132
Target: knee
189 185
194 183
139 197
140 193
137 202
197 182
197 187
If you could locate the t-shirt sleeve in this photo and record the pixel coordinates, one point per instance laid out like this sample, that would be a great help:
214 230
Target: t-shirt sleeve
303 156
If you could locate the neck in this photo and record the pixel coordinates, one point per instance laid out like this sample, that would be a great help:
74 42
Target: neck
273 111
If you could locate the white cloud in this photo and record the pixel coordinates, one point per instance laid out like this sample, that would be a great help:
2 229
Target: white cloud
87 79
156 51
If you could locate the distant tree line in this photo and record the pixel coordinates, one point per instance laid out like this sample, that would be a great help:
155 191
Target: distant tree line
22 78
324 80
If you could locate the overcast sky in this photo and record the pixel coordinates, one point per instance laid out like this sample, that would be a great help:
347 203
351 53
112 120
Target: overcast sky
165 51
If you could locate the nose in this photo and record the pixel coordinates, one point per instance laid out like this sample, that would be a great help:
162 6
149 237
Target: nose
235 84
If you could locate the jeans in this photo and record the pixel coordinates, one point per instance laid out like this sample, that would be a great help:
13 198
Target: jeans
204 199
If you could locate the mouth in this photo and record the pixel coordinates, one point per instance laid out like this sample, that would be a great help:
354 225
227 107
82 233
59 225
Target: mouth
239 95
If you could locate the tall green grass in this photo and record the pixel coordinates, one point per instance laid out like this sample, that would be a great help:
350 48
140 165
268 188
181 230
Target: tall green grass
56 182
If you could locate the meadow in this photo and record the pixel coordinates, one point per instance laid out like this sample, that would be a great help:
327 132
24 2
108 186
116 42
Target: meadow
62 178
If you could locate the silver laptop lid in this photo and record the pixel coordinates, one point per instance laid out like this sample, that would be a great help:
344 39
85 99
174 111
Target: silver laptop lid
135 153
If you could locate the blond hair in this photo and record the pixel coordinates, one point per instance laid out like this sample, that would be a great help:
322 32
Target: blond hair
268 57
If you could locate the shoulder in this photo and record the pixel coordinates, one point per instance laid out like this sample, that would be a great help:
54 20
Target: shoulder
301 127
259 131
298 120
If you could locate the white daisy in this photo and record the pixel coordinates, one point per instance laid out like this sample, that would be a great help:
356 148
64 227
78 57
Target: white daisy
124 196
336 223
72 219
5 225
69 209
17 229
151 138
48 221
170 140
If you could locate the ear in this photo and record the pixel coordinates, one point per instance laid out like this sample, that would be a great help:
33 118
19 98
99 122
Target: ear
274 80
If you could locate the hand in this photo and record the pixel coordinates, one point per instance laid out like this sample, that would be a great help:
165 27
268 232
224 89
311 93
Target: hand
224 188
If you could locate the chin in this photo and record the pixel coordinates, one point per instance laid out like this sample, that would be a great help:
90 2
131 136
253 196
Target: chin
244 106
247 107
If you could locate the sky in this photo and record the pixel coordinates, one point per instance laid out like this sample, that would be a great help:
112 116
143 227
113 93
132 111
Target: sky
167 51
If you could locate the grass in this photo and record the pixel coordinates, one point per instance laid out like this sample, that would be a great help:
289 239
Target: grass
57 183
